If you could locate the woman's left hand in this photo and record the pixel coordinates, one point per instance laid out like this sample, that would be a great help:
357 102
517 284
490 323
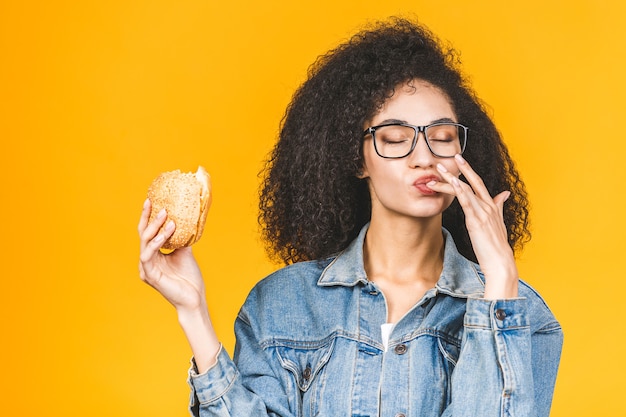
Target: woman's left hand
485 223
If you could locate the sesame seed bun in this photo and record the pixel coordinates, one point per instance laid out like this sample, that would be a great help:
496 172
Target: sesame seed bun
186 197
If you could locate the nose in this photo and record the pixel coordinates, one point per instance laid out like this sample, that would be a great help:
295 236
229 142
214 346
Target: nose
421 155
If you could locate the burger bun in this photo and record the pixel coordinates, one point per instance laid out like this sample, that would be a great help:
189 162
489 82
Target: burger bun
186 197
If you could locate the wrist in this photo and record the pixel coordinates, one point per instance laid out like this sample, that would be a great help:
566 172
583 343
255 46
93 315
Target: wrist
502 287
198 328
501 291
193 316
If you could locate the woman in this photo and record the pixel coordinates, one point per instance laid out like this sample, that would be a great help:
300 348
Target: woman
401 297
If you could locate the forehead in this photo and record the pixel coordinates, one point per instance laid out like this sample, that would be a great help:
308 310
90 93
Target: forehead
417 102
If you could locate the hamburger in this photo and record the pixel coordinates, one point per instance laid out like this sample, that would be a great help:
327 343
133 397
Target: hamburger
186 197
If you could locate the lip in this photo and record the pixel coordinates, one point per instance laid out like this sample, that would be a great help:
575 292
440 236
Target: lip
421 182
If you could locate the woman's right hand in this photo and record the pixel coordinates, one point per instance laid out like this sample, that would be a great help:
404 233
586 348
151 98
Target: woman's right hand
175 275
178 278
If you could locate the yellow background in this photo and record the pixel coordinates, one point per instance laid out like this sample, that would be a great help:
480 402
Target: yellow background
97 98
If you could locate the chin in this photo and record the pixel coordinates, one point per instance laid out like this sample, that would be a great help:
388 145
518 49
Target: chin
423 207
421 212
429 209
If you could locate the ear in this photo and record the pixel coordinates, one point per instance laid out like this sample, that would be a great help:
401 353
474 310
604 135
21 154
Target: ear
362 173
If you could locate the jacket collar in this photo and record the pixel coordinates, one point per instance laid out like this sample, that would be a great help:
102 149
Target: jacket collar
460 277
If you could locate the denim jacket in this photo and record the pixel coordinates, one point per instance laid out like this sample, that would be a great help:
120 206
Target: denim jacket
309 344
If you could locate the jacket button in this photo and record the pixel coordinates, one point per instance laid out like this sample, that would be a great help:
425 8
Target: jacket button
500 314
400 415
306 374
400 349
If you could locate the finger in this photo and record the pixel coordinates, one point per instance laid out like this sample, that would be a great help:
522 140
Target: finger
472 178
441 187
153 227
454 182
152 247
149 269
445 174
500 199
470 204
145 216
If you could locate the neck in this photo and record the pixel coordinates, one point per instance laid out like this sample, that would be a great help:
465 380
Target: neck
404 250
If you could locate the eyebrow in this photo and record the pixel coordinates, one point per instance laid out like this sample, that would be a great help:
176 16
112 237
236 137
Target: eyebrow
394 121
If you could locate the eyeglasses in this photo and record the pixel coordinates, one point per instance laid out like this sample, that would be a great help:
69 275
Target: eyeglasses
397 140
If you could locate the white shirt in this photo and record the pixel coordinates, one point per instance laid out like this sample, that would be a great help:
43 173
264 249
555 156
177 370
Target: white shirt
385 330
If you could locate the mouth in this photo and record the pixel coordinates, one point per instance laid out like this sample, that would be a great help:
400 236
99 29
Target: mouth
421 182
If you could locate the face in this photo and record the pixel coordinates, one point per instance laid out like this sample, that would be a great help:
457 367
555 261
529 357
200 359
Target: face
398 186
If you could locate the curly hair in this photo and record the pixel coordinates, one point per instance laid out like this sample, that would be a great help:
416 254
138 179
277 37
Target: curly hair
311 202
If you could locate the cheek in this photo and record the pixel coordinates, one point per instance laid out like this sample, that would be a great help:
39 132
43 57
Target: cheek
381 171
385 182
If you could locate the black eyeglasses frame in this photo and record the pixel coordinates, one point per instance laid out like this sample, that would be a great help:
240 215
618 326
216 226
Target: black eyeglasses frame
418 129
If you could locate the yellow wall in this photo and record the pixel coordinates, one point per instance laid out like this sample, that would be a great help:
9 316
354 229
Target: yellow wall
97 97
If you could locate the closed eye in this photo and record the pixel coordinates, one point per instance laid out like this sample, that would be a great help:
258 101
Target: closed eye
391 141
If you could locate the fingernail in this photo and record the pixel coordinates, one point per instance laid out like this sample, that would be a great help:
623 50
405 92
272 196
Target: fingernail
459 159
431 183
455 182
169 226
441 168
507 196
162 214
159 238
146 203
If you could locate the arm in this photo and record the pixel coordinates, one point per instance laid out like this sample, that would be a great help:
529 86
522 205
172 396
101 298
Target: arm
216 382
504 367
177 277
247 386
485 224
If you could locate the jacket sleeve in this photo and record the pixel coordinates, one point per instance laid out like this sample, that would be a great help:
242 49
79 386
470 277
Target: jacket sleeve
222 392
506 366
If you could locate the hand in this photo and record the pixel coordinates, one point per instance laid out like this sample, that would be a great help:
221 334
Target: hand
485 224
176 275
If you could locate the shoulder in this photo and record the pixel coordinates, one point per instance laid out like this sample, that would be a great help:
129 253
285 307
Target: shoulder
295 276
290 305
285 288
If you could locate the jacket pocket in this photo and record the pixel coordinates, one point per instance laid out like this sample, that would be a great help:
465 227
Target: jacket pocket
450 352
305 360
